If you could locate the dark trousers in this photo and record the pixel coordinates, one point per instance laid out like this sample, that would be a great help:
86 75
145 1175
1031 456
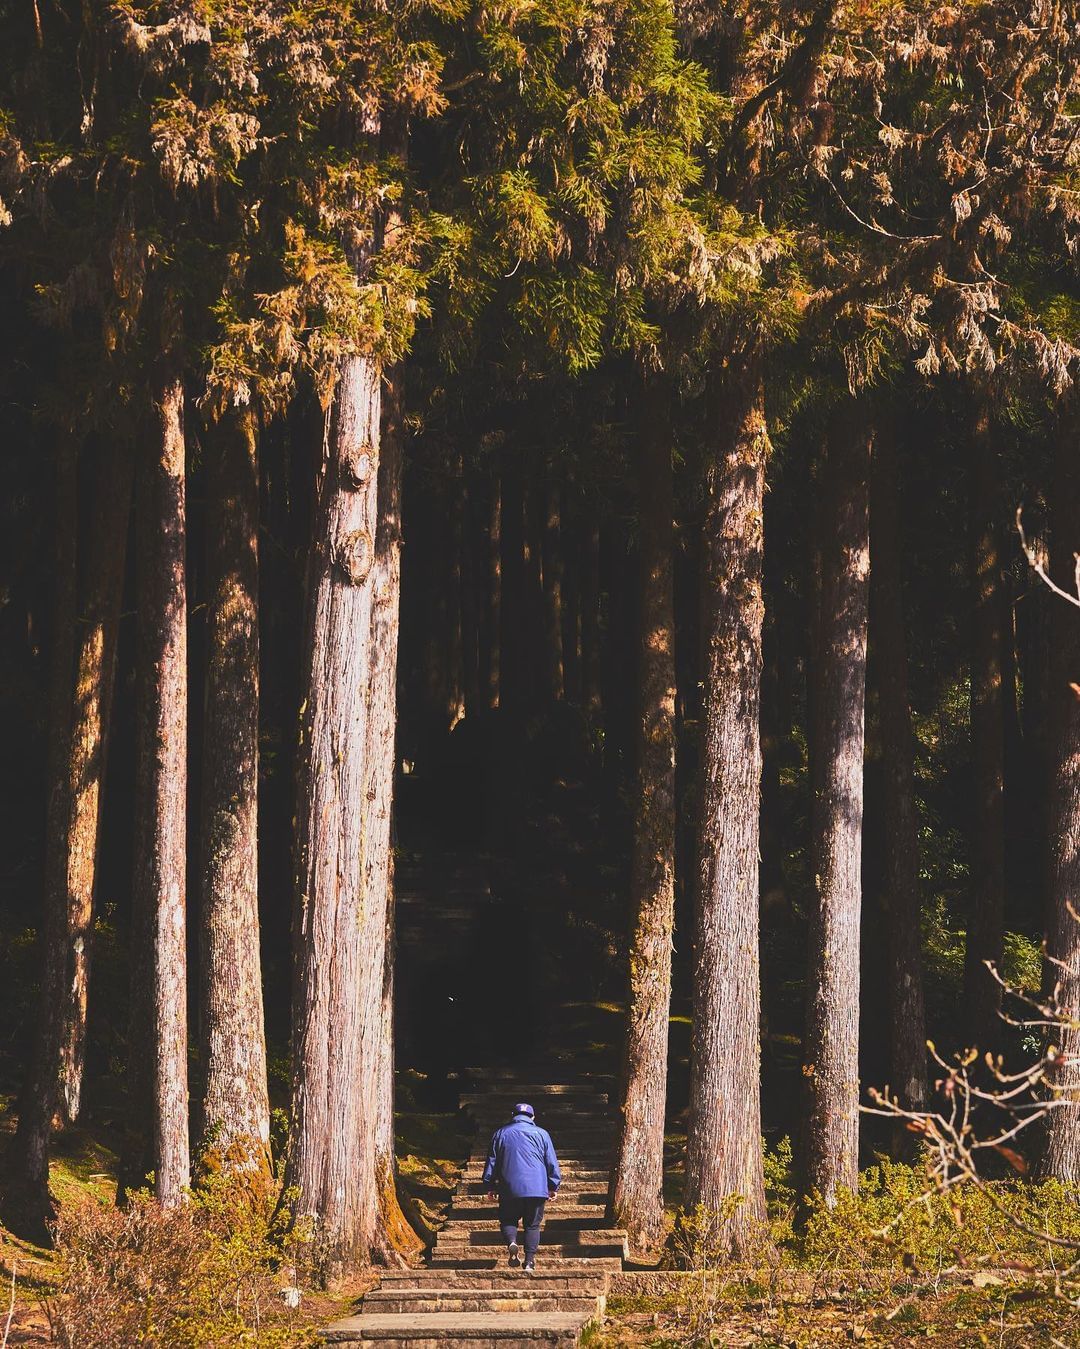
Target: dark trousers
528 1212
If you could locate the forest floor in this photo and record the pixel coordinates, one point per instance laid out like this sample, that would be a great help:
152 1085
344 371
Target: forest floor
795 1306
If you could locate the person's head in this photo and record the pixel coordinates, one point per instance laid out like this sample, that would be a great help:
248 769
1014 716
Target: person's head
524 1110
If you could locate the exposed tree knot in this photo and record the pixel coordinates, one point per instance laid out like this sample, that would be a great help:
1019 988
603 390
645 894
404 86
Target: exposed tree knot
354 554
360 463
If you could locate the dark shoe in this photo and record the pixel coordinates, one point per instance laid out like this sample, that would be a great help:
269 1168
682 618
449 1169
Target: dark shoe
530 1268
514 1261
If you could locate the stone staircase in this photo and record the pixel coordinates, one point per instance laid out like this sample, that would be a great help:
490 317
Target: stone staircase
467 1296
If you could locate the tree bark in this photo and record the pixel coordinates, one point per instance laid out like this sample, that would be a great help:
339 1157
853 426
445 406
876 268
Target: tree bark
512 610
1061 1152
470 598
548 496
29 1165
723 1151
489 648
235 1104
907 1013
161 854
95 678
982 993
571 612
831 1049
396 1238
636 1199
590 619
539 668
338 981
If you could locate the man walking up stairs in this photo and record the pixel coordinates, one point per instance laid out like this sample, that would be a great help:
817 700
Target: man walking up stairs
467 1296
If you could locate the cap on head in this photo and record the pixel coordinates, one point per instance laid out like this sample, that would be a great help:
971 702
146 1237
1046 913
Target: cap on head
524 1109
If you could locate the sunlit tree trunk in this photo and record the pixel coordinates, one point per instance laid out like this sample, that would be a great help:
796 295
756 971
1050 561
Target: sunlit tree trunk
636 1200
831 1047
161 786
95 676
907 1013
29 1165
235 1104
338 988
723 1149
982 993
1061 1153
395 1238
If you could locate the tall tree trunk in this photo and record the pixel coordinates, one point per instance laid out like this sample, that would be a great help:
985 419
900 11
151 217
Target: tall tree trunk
539 668
470 597
29 1165
723 1146
396 1238
982 993
235 1103
553 581
489 648
337 996
831 1048
95 678
636 1199
590 618
512 617
907 1012
1061 1153
571 612
161 856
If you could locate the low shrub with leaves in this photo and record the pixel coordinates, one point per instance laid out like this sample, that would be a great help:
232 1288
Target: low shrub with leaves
209 1273
897 1221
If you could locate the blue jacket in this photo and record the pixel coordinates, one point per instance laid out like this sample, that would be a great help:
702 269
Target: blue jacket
522 1161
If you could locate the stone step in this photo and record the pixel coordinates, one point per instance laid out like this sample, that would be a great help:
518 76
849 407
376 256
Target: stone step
555 1224
549 1251
546 1260
467 1330
477 1208
582 1283
521 1299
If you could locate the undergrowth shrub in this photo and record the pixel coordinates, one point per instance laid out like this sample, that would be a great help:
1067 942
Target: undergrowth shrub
207 1274
894 1221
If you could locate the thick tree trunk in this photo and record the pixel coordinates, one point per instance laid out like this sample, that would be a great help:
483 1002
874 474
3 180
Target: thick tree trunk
723 1149
982 993
1061 1154
29 1165
396 1238
235 1103
553 582
571 613
161 853
590 618
95 677
907 1013
636 1199
337 996
489 647
831 1048
470 595
512 615
539 668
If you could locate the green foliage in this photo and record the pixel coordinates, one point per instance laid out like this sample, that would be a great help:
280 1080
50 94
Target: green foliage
897 1221
209 1273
